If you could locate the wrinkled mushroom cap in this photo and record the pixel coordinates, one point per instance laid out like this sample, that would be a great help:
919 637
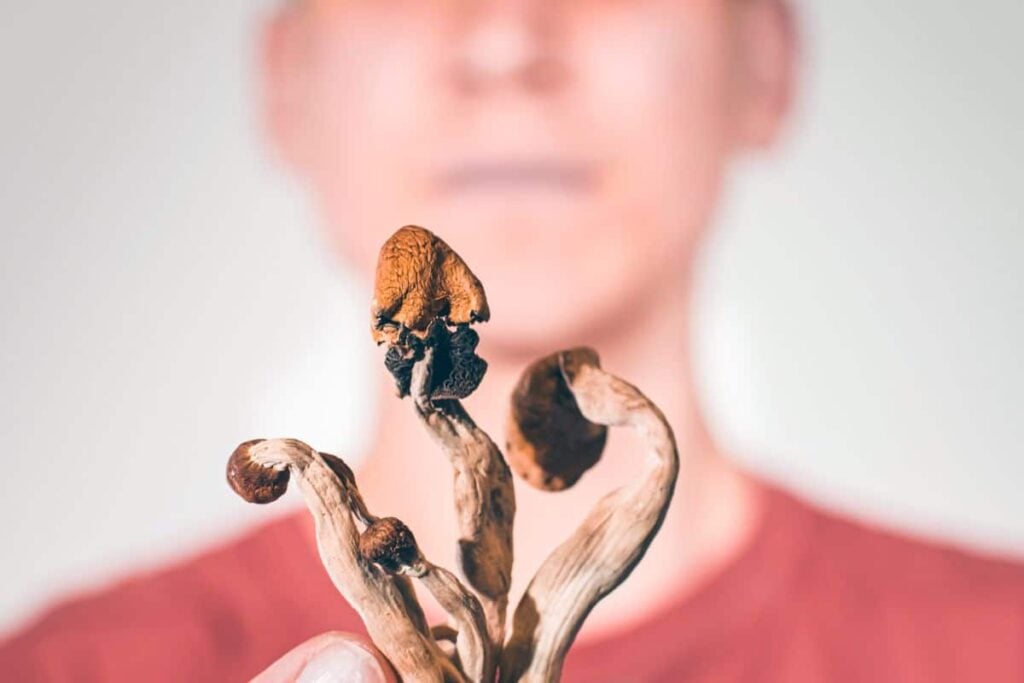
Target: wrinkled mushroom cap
418 279
252 481
549 442
389 543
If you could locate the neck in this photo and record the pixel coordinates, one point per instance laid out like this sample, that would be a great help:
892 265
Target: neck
712 514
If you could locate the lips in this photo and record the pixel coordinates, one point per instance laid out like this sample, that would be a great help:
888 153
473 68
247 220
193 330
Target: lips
516 175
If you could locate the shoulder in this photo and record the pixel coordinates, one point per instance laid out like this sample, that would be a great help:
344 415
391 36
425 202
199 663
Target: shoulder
220 615
884 560
922 609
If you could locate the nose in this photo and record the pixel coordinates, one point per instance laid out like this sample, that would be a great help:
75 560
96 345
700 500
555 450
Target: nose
507 43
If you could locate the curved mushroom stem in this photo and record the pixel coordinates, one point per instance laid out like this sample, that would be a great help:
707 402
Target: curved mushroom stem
386 603
348 484
484 497
611 540
390 544
472 642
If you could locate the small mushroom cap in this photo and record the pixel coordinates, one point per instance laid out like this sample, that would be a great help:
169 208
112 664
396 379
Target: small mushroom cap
549 442
252 481
389 543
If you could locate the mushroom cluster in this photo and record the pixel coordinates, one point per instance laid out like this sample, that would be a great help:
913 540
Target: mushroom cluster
425 300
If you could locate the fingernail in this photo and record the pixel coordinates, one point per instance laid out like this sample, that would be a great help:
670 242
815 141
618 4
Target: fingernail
342 663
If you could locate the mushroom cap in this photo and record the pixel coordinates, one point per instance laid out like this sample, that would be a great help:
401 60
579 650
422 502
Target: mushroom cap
418 279
389 543
252 481
549 442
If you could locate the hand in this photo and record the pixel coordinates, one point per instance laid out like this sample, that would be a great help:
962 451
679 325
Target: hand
331 658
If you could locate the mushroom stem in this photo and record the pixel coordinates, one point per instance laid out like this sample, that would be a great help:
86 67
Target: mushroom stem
390 544
609 543
385 603
484 497
472 642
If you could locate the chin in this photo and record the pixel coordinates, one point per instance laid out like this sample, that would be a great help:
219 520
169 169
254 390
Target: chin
535 311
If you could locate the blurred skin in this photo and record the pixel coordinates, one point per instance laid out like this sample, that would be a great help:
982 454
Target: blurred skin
573 152
328 658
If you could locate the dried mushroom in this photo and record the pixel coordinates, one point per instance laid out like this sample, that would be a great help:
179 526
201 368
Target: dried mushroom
549 443
425 299
425 296
419 279
612 539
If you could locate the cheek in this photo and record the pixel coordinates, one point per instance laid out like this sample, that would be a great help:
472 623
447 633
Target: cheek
650 93
568 296
653 80
370 91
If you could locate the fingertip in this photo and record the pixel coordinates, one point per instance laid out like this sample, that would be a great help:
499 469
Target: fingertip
333 657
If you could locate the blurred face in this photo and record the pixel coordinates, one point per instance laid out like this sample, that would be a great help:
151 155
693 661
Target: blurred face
570 150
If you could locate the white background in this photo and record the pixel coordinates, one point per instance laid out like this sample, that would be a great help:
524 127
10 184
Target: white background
862 305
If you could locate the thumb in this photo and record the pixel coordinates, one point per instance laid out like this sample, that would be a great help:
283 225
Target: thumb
330 658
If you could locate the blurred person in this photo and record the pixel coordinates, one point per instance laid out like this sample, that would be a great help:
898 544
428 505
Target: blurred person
573 152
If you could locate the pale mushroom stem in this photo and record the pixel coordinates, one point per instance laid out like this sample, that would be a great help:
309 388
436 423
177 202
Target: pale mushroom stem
472 643
484 497
608 544
385 603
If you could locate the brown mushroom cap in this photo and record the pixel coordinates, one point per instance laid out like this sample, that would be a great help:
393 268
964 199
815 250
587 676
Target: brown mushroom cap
419 278
252 481
389 543
549 442
426 296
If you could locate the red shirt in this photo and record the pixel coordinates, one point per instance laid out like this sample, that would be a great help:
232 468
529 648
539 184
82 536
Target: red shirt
812 598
